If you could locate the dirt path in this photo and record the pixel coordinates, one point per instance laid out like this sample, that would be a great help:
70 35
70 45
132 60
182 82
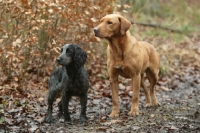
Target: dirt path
179 112
179 95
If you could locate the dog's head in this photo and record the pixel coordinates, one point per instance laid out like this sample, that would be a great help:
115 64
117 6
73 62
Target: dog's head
112 25
72 54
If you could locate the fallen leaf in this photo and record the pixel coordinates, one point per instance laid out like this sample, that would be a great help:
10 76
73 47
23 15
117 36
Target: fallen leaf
174 128
33 128
103 129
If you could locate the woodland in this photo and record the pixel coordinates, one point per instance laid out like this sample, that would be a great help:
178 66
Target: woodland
32 33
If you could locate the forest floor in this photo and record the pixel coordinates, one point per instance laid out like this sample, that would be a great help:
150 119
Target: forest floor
178 93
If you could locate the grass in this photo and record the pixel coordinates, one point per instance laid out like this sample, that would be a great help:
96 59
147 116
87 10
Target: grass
178 15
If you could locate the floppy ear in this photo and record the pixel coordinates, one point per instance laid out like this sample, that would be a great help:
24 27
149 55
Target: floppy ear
80 57
125 25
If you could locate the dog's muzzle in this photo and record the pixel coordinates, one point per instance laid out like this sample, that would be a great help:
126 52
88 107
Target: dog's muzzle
96 30
58 60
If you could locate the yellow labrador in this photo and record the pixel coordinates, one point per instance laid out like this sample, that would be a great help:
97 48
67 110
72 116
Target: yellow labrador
129 58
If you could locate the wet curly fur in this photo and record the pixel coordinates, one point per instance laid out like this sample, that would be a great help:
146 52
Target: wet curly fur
69 80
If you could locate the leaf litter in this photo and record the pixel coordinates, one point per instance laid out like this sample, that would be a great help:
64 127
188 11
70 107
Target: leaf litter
179 110
178 93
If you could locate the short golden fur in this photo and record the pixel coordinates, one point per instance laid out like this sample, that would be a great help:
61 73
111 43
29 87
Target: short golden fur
129 58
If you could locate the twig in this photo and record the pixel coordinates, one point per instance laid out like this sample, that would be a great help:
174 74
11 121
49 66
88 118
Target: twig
158 26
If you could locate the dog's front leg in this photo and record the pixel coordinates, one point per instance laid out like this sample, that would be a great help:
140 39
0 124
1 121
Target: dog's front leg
83 99
51 98
115 90
65 104
65 94
135 98
53 91
60 114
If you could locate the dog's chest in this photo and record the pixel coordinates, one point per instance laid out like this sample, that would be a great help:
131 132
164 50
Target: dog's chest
124 67
74 90
116 57
115 50
73 85
124 71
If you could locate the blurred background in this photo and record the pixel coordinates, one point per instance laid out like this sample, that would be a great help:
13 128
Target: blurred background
32 32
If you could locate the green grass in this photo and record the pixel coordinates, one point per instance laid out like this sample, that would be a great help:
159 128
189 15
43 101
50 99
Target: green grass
177 15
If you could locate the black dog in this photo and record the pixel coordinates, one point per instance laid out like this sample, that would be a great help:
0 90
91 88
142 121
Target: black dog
71 79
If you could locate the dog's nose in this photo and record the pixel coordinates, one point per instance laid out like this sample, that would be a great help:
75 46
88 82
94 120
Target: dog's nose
96 30
58 59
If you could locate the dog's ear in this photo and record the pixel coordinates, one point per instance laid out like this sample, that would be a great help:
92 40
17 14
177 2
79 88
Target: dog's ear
125 25
80 57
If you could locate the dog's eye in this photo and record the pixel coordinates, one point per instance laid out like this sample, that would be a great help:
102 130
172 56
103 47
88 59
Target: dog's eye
68 51
61 50
109 22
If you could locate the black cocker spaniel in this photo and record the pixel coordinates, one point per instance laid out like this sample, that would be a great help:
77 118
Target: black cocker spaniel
69 80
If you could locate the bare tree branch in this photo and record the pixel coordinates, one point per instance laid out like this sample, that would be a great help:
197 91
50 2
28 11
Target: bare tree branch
158 26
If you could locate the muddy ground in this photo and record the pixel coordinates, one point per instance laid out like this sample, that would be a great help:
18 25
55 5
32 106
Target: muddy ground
179 112
178 92
179 95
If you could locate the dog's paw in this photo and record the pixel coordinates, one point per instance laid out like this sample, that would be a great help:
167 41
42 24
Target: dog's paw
156 103
67 119
133 113
60 115
83 119
152 104
114 113
48 119
148 105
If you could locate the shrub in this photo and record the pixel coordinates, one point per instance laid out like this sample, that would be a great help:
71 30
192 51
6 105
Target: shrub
32 31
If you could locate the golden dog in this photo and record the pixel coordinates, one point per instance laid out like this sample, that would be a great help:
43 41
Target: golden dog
129 58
